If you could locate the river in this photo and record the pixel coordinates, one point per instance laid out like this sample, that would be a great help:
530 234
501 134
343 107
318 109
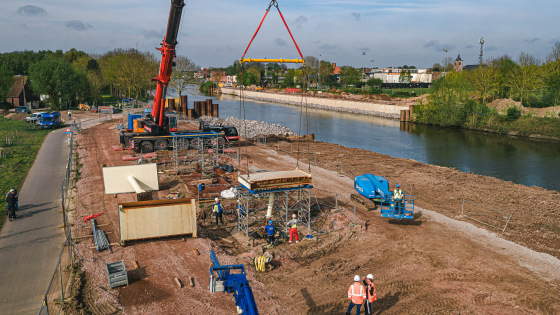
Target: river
516 159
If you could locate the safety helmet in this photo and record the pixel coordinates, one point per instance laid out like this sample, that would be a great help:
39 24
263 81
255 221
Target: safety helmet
217 199
269 221
12 190
356 278
294 215
370 276
398 185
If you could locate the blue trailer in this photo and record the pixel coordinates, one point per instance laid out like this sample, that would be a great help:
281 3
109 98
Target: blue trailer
50 120
374 189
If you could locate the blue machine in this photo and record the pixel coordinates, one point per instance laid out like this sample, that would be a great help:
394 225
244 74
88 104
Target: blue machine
50 120
376 188
132 118
225 281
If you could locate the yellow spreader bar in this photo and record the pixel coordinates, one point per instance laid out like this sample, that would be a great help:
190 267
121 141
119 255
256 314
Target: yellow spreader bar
273 60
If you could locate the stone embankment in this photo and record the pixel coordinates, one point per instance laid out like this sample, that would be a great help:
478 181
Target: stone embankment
337 105
254 128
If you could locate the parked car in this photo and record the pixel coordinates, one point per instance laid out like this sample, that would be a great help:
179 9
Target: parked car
23 109
34 118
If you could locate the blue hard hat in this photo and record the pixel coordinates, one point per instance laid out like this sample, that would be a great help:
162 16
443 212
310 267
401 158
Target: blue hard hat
269 221
398 185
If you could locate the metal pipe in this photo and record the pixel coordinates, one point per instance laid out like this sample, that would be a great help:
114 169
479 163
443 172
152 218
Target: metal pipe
270 205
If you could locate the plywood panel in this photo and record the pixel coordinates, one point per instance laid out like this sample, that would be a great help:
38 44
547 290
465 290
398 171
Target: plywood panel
115 179
166 218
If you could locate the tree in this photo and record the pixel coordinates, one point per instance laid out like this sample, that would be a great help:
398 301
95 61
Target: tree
437 67
6 83
374 82
525 76
349 75
483 80
311 68
405 76
55 78
183 74
447 64
327 73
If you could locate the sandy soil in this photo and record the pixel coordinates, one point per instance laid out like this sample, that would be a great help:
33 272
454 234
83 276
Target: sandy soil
503 104
438 264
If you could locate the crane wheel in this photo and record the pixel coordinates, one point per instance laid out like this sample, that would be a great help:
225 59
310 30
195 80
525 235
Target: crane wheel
161 145
146 147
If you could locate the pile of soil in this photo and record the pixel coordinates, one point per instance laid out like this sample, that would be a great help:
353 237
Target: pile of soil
17 116
501 105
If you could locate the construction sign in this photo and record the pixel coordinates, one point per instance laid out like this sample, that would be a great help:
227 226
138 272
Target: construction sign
68 130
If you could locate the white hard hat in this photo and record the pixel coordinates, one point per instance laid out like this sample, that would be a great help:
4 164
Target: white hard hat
370 276
356 278
294 215
217 199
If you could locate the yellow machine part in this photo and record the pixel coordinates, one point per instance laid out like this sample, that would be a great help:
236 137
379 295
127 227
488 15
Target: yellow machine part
135 124
302 61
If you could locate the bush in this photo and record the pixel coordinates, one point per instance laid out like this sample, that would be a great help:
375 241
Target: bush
513 113
379 91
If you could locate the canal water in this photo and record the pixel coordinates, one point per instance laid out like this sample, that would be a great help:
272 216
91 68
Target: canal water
519 160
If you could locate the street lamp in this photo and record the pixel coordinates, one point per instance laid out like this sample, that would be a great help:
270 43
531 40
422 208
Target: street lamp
445 50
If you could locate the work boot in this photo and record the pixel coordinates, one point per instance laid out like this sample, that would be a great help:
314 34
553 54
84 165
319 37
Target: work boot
297 242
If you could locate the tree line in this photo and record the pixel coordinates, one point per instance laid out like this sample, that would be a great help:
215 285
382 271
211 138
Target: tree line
73 77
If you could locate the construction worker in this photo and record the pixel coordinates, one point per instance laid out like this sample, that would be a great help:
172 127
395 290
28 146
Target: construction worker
292 225
217 210
398 197
370 293
11 199
356 294
270 231
69 114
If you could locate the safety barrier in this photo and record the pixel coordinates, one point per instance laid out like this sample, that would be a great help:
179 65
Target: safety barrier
54 298
327 208
485 215
285 147
346 169
309 159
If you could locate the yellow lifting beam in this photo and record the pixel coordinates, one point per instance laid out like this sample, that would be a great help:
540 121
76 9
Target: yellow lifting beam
272 60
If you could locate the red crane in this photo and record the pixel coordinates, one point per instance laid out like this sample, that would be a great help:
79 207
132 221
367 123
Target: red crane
166 67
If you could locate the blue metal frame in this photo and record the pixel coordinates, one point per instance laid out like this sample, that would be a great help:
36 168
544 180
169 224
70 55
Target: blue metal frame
211 134
404 211
236 283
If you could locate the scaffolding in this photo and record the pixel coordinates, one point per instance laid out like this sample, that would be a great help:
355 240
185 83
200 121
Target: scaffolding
319 211
189 147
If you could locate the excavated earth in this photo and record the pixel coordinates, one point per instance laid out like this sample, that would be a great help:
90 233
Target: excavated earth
440 263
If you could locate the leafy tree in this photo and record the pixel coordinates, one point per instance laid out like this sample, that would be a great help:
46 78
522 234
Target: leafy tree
513 113
349 75
483 80
526 76
55 78
553 84
374 82
6 83
327 73
92 65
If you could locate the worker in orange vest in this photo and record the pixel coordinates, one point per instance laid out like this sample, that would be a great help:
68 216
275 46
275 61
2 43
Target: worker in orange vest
370 292
356 294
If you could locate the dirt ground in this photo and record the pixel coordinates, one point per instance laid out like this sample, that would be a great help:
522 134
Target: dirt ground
437 264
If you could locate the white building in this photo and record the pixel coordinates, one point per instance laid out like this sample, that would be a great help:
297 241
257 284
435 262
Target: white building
390 75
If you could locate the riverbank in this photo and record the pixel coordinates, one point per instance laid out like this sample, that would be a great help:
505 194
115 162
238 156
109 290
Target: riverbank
542 128
329 104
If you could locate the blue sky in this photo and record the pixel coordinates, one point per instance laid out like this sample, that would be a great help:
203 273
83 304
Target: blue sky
216 32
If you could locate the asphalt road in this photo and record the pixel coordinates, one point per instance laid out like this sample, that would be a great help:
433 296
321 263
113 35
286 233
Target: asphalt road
30 245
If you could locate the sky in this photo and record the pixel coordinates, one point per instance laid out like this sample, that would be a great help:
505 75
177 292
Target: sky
216 32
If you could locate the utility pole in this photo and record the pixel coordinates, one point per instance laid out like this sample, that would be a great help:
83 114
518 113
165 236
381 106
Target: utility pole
481 51
319 73
445 50
363 64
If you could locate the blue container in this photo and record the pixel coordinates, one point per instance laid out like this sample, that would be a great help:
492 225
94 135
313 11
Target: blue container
131 119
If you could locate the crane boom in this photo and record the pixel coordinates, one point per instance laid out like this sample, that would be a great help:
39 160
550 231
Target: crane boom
166 67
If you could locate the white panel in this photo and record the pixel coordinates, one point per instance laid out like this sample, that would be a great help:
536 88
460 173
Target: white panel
116 181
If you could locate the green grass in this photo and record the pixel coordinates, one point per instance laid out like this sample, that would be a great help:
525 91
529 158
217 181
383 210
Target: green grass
19 156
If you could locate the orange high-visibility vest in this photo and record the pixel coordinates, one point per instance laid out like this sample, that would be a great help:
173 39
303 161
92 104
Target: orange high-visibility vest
373 297
357 293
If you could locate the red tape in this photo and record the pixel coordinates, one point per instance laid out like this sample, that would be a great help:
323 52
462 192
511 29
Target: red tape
89 217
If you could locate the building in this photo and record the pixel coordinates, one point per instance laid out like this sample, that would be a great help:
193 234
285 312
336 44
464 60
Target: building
459 67
391 76
21 93
218 77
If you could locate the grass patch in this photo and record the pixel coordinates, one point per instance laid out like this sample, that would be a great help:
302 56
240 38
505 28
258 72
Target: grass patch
19 156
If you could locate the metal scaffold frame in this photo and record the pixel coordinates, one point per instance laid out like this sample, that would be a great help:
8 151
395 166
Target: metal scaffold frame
194 145
312 210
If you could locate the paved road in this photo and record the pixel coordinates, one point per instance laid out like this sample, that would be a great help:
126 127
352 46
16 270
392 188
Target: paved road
29 246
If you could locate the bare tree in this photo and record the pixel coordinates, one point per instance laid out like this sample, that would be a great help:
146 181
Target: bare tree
447 64
526 76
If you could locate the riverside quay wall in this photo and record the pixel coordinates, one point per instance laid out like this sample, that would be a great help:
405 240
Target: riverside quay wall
348 106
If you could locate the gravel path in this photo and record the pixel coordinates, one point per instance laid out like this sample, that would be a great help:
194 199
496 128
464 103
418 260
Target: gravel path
254 128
